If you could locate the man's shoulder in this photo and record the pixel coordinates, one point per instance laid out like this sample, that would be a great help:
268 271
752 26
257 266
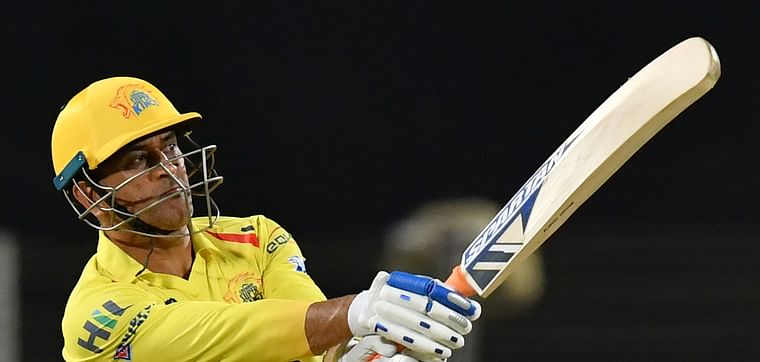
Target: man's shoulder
97 310
258 224
229 222
233 233
94 290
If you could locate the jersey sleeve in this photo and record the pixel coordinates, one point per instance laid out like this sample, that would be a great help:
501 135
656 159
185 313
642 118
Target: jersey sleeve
129 325
284 271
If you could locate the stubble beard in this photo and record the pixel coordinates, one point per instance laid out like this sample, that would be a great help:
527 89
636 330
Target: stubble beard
172 214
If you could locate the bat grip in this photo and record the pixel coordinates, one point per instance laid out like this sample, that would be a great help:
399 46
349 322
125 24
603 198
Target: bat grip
458 281
378 356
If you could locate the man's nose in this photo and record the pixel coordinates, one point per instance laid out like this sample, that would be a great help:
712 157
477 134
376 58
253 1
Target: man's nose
166 165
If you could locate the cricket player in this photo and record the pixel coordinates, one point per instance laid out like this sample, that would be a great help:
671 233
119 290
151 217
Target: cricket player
167 286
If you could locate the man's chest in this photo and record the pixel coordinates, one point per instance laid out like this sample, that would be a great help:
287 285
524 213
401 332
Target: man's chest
228 280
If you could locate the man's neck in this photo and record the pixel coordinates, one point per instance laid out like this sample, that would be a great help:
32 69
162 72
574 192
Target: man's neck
170 255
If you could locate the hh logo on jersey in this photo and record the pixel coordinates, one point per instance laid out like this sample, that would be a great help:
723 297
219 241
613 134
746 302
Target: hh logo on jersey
244 288
132 99
299 262
100 325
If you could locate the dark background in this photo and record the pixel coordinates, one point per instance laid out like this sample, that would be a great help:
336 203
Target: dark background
337 119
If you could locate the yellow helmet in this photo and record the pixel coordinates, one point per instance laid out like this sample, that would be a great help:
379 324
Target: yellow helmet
104 117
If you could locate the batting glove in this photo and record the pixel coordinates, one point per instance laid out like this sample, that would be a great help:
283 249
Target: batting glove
416 312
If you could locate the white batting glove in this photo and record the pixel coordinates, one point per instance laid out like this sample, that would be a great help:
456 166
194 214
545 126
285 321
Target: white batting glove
373 348
419 313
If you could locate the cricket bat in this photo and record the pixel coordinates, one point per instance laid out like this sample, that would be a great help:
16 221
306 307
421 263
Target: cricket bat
640 108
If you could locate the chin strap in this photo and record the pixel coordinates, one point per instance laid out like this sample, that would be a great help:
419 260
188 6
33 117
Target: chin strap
141 226
145 263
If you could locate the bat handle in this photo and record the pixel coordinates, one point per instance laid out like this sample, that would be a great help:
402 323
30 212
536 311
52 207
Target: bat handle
458 281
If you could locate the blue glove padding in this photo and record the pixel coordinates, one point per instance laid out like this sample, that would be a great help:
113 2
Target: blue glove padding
437 291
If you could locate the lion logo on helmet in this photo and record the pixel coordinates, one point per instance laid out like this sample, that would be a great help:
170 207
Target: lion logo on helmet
132 99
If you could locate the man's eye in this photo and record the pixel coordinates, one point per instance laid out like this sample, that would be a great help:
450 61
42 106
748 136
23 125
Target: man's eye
139 158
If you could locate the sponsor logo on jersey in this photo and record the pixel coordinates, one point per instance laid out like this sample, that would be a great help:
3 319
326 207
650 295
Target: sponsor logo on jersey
298 262
100 325
123 353
277 241
124 349
244 288
132 99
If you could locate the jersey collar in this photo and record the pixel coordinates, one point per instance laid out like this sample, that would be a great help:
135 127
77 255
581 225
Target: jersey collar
119 266
114 262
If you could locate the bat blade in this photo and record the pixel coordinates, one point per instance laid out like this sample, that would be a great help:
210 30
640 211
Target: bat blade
631 116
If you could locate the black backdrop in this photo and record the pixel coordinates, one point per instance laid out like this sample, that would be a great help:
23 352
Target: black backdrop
336 119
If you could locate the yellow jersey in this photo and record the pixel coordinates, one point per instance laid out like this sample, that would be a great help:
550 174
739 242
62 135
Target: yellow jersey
245 300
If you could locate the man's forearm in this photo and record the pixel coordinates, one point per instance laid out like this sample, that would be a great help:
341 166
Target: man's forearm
327 323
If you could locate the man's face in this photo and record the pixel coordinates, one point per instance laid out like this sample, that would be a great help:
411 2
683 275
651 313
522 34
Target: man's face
171 214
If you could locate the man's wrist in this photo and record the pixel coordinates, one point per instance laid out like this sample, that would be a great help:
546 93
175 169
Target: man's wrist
326 323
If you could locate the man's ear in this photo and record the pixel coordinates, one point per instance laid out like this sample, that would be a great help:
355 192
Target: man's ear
86 196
